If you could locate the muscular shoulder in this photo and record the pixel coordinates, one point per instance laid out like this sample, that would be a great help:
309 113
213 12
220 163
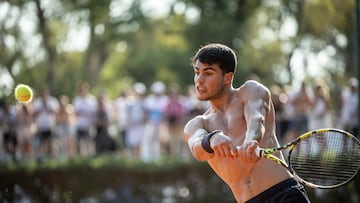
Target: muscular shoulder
193 125
252 89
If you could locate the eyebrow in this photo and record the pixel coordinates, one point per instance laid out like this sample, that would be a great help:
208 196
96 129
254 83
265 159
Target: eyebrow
206 68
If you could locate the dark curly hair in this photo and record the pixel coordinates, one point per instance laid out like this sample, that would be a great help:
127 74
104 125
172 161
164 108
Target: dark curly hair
217 54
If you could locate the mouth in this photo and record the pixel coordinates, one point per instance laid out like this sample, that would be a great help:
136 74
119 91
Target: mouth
200 89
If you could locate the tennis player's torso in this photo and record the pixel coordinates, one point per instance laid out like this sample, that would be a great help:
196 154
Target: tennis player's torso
246 180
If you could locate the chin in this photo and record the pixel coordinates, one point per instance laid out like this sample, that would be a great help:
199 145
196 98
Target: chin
202 97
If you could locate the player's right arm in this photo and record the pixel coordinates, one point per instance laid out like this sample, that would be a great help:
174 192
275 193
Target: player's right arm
194 132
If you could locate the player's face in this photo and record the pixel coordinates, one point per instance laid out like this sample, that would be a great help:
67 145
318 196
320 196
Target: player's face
209 81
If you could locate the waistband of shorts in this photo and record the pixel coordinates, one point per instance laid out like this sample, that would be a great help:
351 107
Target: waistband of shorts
273 190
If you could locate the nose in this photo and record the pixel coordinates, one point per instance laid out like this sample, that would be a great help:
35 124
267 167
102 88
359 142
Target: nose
199 78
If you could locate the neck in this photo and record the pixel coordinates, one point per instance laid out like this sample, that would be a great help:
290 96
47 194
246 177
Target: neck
221 103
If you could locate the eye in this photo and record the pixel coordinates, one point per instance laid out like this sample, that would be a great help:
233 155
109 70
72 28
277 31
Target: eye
208 73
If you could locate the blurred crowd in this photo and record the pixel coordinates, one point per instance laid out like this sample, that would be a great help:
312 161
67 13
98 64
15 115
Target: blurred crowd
310 107
147 123
141 123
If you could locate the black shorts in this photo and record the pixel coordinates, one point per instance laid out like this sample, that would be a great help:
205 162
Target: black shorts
82 134
287 191
45 135
10 138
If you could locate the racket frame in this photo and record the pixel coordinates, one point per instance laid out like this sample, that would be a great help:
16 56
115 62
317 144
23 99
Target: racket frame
268 153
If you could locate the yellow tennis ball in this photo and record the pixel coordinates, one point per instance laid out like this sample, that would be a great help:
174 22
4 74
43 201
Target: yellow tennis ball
23 93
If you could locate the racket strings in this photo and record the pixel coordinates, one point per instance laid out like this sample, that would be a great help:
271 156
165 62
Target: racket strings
326 158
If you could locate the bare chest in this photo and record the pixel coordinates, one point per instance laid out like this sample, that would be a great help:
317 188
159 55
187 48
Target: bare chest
231 122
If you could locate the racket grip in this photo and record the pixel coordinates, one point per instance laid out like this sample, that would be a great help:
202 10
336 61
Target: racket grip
258 151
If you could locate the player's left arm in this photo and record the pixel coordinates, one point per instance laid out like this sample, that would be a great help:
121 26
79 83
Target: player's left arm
256 107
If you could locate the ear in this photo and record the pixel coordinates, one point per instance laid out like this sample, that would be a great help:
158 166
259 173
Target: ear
228 78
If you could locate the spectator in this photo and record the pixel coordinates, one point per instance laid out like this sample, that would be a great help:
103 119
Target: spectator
155 106
121 116
45 109
320 111
64 126
8 124
174 113
25 130
136 117
349 109
301 102
103 141
85 108
280 98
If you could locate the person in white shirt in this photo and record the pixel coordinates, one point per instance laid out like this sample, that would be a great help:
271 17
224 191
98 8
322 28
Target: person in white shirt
349 109
320 116
45 109
121 117
136 119
85 106
155 105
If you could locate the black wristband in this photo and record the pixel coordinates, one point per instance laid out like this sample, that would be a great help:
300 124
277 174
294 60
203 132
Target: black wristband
205 142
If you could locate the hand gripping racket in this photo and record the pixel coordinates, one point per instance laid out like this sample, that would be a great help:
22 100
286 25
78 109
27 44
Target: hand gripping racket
323 158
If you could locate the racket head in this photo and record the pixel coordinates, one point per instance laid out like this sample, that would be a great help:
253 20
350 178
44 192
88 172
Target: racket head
325 158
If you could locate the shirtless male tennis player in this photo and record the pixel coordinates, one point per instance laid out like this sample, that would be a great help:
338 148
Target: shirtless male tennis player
238 121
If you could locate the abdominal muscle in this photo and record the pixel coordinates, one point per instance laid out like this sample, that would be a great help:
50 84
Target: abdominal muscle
248 180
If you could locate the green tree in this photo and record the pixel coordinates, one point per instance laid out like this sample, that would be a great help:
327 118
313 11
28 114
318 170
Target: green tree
123 44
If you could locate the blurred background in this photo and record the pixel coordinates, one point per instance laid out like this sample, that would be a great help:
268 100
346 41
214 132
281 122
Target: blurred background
113 88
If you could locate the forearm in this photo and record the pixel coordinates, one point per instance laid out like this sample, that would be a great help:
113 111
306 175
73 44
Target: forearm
196 147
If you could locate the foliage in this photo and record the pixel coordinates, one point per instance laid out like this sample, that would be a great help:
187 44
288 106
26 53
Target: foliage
79 179
122 44
186 181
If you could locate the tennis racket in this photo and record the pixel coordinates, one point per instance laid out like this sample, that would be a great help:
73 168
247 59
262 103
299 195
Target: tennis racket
324 158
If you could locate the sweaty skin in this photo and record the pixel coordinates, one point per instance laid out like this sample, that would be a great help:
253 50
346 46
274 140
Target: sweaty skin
246 118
